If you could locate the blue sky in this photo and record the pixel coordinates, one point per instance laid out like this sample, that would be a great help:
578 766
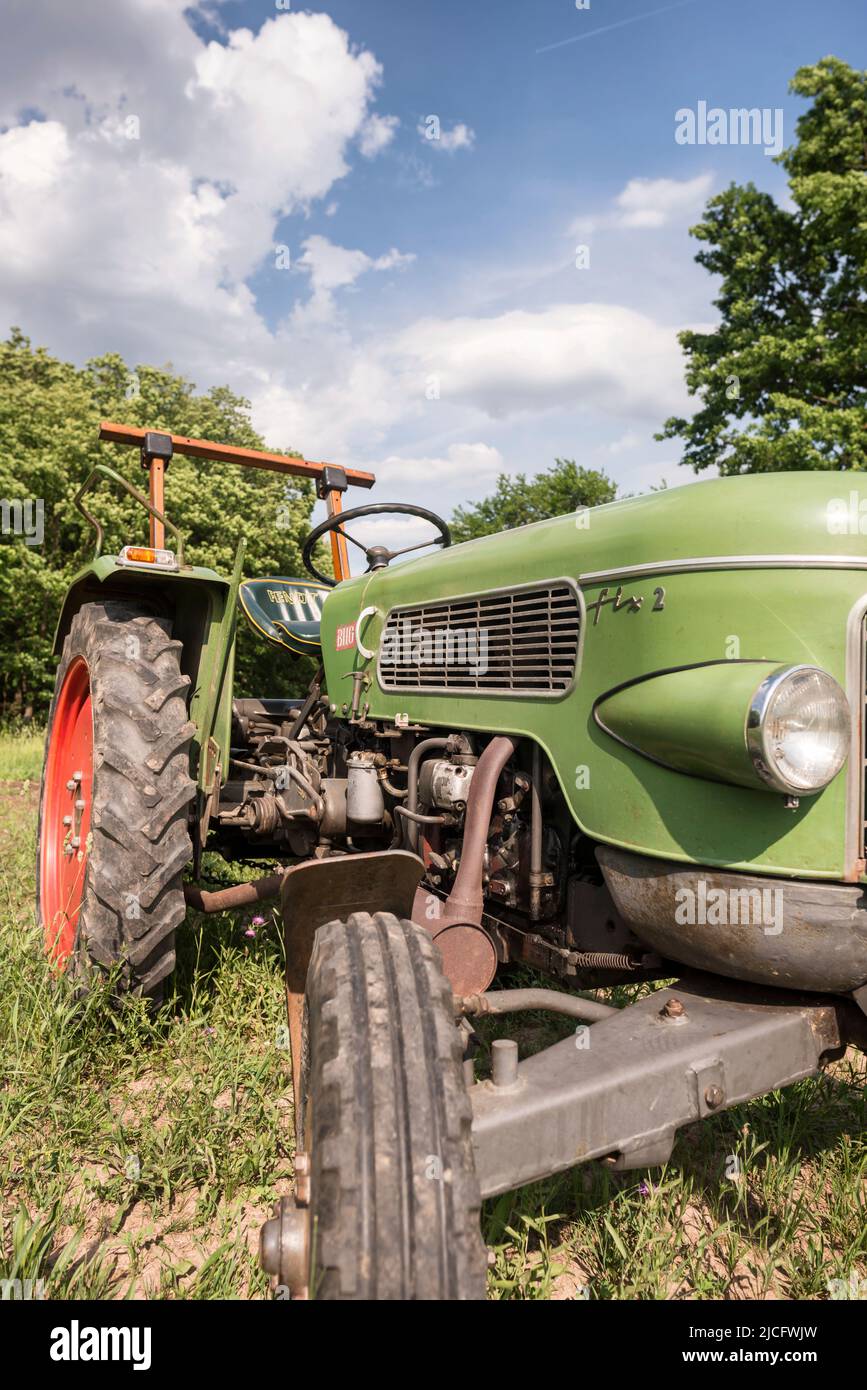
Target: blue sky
427 319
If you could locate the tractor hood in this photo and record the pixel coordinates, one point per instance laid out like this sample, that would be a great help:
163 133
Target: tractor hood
759 515
768 569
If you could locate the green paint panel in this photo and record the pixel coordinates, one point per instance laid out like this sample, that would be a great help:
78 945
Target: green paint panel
198 597
777 615
692 719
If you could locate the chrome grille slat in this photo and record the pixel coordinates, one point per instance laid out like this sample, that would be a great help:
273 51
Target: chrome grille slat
520 641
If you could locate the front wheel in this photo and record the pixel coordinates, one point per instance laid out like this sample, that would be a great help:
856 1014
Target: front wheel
393 1195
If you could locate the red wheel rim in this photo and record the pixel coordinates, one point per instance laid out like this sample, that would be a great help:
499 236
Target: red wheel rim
67 800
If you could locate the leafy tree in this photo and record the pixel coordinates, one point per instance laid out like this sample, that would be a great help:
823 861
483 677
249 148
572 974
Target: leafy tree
782 380
49 415
519 500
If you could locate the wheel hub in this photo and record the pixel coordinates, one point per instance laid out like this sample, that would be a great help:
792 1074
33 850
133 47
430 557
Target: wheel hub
284 1246
66 814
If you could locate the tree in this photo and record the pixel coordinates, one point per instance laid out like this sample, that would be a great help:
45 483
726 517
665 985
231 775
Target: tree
49 415
782 380
519 500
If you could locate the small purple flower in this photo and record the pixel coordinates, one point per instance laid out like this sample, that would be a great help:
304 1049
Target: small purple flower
643 1189
258 922
251 931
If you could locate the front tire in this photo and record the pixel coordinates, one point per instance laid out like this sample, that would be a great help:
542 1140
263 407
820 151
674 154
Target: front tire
116 790
394 1200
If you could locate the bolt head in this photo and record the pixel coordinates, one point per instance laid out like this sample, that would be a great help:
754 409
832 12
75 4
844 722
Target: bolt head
714 1097
672 1008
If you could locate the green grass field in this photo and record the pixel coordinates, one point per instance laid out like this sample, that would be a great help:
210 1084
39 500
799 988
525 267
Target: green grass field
139 1155
21 755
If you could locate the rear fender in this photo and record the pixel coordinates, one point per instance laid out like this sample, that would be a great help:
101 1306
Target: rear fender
202 606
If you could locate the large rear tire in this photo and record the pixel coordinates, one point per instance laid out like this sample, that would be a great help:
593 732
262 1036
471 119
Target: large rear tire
116 790
394 1200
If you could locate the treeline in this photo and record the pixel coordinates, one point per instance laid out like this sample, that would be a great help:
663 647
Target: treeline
49 417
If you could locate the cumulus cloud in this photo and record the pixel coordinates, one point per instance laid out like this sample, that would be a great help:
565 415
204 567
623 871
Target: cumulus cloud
568 356
460 137
463 463
165 173
624 442
651 203
139 202
376 133
657 202
333 267
347 393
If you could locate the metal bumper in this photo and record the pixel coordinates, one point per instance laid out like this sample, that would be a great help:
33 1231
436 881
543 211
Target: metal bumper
790 933
624 1086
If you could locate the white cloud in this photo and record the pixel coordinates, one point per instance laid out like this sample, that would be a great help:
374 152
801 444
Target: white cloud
571 356
657 202
162 231
624 443
465 463
460 137
376 133
333 267
33 157
148 246
394 260
651 203
346 394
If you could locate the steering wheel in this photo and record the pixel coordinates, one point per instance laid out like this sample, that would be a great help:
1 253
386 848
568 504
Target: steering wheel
377 556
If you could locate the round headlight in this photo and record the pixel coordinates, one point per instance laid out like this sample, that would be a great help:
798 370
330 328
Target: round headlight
798 729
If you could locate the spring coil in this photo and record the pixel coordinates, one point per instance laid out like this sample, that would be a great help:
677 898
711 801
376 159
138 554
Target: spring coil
604 960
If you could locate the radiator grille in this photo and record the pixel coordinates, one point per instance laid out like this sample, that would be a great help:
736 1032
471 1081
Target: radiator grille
521 641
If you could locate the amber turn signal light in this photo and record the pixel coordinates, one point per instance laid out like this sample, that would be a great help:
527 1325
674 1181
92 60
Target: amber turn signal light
147 557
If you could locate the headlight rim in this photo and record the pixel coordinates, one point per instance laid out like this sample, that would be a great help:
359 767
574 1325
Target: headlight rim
755 730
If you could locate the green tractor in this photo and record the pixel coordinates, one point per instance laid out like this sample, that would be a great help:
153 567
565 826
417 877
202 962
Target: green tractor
621 746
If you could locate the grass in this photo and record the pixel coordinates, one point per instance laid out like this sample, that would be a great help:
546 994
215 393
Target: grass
139 1155
21 754
766 1200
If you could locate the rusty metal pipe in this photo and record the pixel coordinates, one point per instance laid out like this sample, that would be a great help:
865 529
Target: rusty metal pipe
396 792
240 895
512 1001
427 745
466 899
